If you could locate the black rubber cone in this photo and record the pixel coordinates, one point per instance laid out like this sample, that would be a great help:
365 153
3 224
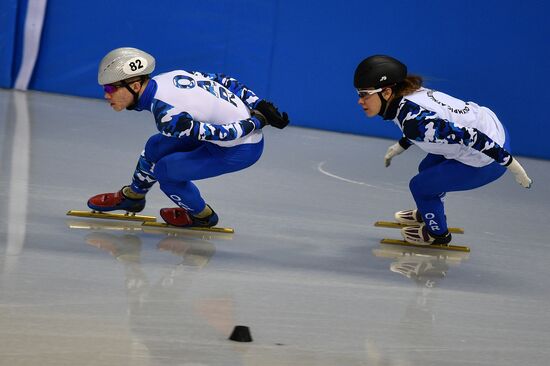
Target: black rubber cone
241 333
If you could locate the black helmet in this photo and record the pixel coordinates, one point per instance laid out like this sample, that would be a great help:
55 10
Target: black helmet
379 71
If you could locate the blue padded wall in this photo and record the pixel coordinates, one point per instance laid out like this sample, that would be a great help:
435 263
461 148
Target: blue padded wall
8 24
215 36
483 51
302 56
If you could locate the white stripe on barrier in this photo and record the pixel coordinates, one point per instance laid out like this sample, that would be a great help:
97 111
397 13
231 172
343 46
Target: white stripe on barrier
34 20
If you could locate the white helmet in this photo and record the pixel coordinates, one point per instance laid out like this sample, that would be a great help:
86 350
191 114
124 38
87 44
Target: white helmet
124 63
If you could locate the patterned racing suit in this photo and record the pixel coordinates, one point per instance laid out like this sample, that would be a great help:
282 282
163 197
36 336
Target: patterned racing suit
467 148
205 130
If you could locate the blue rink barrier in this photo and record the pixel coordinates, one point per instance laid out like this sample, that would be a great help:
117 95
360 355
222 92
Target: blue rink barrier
8 23
303 57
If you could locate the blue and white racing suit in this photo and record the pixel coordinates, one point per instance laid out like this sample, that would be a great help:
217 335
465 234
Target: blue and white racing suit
205 130
467 148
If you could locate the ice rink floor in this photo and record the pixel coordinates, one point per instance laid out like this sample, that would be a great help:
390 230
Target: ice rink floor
304 269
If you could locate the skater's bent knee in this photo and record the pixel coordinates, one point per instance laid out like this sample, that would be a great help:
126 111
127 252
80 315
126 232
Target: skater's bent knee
416 184
152 148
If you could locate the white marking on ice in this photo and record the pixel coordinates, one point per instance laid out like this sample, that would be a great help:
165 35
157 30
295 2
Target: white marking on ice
320 169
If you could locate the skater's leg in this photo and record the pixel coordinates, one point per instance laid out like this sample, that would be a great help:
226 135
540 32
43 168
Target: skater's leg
156 148
430 160
132 198
429 188
144 177
431 184
184 194
414 217
175 172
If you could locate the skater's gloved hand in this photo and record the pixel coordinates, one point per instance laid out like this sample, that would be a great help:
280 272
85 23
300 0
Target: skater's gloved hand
520 174
260 117
393 150
272 114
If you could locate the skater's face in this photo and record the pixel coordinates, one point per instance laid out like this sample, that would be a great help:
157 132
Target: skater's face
118 96
369 100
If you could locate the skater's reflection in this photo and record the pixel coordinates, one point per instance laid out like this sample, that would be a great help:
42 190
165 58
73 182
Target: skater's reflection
126 248
167 309
426 267
417 325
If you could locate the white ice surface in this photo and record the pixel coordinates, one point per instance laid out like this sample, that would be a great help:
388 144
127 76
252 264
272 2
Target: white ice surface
304 270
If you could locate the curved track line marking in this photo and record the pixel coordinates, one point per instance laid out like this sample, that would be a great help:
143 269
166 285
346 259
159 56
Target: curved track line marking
320 168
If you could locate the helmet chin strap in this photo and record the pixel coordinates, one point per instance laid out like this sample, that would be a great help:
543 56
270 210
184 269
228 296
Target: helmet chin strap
384 104
136 97
134 93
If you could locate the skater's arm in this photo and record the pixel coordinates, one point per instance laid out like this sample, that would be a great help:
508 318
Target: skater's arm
173 123
242 91
268 109
396 149
404 142
419 124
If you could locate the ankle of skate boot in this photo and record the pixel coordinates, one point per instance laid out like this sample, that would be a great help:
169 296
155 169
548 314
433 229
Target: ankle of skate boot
201 221
128 193
442 239
207 221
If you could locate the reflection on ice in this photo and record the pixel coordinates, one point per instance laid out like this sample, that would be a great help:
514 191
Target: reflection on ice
137 227
424 266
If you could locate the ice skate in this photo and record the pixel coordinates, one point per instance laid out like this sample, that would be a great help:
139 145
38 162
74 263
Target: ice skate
421 235
106 202
180 217
176 217
102 204
418 236
408 217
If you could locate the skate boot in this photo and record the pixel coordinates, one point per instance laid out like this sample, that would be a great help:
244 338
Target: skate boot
116 201
177 216
420 235
409 217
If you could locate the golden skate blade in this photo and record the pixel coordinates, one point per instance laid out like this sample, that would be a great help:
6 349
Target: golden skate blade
451 257
112 216
397 225
136 227
92 224
215 229
178 232
458 248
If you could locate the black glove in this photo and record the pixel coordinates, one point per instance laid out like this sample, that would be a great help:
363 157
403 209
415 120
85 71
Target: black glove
259 116
272 114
